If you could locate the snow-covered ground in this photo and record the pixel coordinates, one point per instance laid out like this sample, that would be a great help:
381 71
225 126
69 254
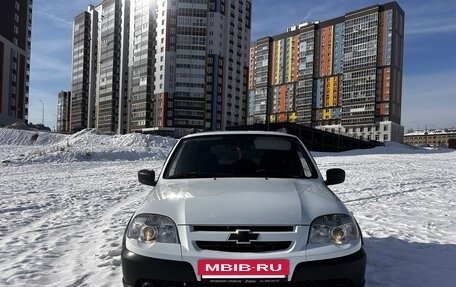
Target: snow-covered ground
65 202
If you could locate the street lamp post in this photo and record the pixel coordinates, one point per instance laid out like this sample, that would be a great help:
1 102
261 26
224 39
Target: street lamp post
42 112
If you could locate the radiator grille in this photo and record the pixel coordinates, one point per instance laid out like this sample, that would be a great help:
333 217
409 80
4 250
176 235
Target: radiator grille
254 247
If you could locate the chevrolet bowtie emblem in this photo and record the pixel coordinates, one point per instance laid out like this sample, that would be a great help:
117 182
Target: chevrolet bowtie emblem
243 236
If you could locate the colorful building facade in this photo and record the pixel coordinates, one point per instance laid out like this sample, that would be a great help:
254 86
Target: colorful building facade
344 72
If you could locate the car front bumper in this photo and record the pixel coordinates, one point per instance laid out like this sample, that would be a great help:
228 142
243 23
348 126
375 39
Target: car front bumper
140 270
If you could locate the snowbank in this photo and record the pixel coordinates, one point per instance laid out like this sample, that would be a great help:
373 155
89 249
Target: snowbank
86 145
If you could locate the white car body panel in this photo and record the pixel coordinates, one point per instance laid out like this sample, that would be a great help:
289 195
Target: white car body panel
242 201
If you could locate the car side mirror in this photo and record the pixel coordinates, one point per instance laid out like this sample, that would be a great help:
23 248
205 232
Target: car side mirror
334 176
147 177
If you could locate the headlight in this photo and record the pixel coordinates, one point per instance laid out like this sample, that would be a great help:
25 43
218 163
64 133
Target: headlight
335 228
151 228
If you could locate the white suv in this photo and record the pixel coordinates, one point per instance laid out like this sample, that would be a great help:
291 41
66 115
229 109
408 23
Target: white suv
242 207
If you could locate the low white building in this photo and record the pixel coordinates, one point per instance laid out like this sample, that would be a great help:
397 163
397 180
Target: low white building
383 131
433 138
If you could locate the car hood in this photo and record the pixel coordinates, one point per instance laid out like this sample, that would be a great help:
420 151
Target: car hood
242 201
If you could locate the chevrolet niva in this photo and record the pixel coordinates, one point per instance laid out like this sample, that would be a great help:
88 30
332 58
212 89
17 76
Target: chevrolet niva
242 207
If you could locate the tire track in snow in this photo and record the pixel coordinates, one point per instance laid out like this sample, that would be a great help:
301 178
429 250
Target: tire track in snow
104 248
63 237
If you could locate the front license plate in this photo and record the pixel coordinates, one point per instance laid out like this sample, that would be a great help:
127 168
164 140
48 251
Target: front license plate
229 270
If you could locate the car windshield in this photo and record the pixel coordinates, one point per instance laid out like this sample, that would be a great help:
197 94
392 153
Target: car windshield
240 155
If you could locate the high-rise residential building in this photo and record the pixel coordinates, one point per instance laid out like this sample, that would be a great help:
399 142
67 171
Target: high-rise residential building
201 63
15 44
141 65
259 80
84 67
163 65
112 70
341 75
100 58
63 112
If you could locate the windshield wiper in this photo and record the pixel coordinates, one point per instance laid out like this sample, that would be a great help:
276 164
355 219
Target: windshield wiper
276 174
196 175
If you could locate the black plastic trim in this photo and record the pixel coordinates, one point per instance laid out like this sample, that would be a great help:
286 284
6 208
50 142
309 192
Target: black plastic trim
351 267
230 228
348 270
141 268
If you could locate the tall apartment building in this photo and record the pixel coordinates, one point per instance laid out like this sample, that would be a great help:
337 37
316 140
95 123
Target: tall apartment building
15 44
161 65
100 58
112 72
141 64
84 67
63 112
201 63
341 75
259 81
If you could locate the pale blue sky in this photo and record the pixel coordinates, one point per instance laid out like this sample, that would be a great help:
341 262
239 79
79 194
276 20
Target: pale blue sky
429 90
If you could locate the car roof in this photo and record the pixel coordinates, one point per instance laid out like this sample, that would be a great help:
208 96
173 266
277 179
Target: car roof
249 132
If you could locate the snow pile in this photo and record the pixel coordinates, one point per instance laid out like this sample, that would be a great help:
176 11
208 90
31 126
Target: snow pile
86 145
28 138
